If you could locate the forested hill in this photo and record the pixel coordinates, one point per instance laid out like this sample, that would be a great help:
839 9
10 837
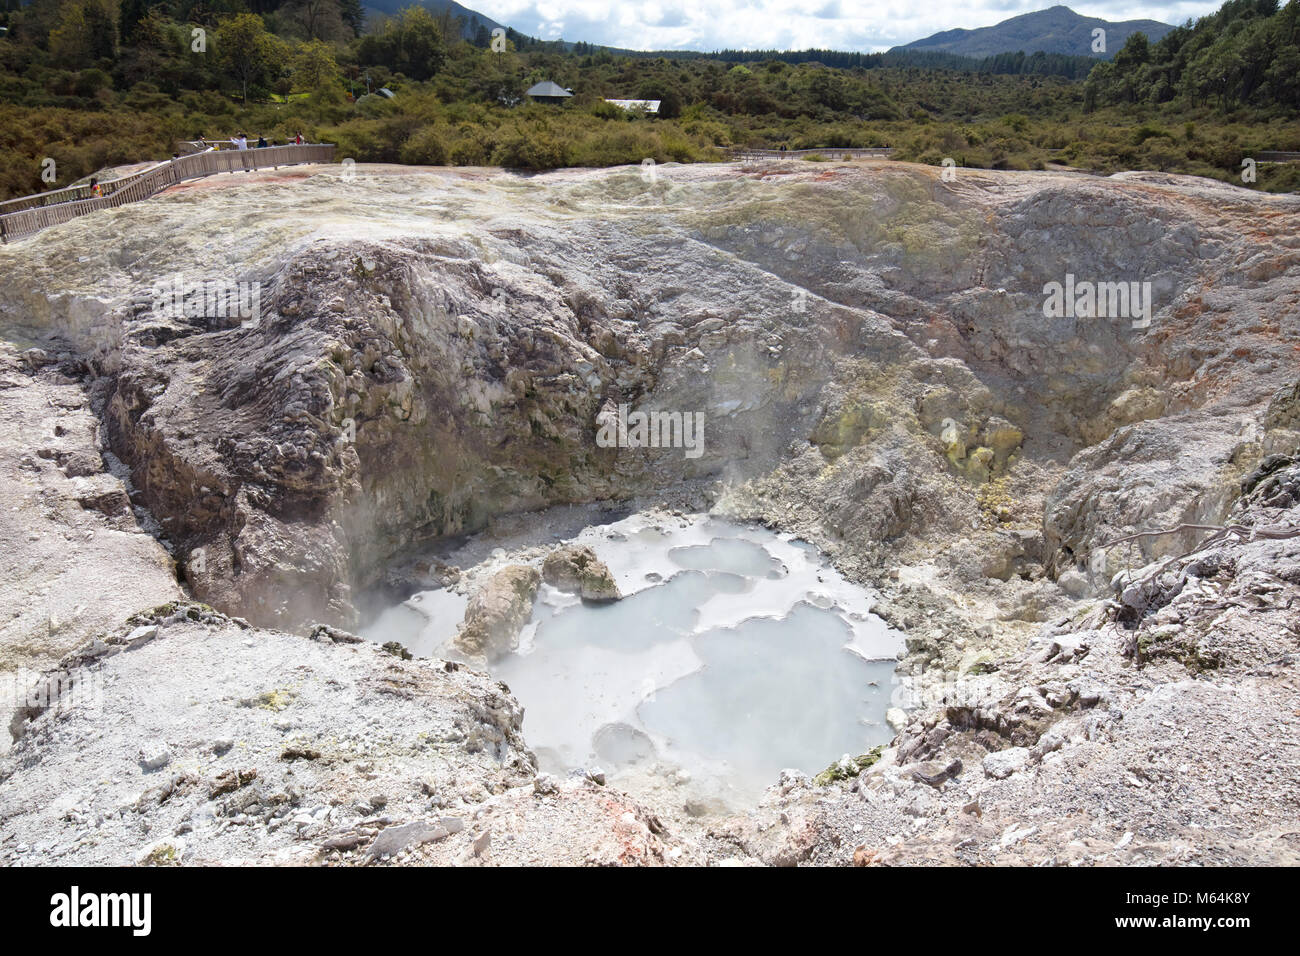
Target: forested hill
1055 30
474 26
1245 54
1041 64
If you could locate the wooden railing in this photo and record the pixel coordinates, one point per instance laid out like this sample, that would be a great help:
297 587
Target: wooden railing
1277 156
31 214
830 152
51 198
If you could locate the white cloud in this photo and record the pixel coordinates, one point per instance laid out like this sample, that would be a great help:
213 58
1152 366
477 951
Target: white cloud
786 24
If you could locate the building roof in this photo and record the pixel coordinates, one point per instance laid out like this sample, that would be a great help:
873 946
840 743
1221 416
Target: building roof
547 88
650 106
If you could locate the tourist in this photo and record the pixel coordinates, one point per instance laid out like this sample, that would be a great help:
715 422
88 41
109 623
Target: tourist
241 144
297 140
261 141
95 190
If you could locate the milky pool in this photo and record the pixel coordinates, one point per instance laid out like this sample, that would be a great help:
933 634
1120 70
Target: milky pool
735 652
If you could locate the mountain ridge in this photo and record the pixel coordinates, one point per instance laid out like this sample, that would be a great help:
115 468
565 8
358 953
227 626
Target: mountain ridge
472 18
1054 30
1057 29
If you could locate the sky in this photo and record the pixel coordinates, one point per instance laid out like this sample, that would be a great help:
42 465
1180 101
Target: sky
869 26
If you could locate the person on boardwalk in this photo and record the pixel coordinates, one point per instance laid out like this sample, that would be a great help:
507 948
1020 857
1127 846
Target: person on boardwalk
241 144
261 141
297 140
95 189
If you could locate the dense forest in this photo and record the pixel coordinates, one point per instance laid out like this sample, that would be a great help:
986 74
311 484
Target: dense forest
94 84
1245 54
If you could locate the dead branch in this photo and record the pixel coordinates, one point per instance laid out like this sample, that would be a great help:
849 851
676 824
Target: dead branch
1221 531
1155 534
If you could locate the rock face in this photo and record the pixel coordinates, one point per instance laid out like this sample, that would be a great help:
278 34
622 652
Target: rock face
1158 742
576 570
77 560
844 331
497 612
869 348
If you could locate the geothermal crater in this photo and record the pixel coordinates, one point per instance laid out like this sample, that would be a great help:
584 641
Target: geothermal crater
912 476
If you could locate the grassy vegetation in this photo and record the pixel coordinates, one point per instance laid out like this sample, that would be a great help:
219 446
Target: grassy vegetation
96 83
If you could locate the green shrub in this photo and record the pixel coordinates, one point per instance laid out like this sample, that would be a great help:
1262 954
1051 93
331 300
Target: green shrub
529 149
608 111
617 147
469 151
1147 131
426 147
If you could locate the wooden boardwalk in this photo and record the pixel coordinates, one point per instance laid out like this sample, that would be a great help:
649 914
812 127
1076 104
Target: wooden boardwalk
1277 156
31 214
828 152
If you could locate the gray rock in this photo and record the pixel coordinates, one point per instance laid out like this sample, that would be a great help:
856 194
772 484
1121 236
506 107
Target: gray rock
1003 763
1074 583
154 756
497 612
1054 739
576 569
142 635
1013 835
392 840
896 717
788 779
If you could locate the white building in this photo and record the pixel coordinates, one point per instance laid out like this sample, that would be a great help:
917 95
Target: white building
644 106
